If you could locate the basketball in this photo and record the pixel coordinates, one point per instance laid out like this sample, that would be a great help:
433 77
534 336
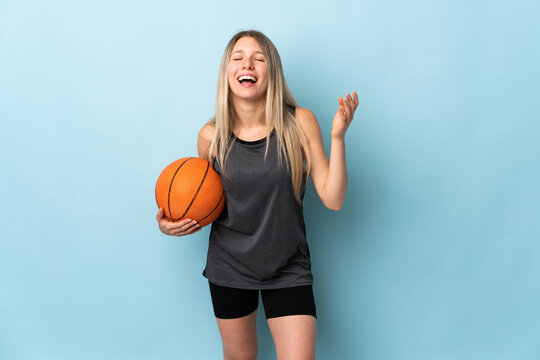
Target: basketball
190 188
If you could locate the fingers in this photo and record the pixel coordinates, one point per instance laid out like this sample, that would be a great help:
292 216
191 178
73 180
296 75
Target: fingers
184 227
348 106
350 110
178 228
190 229
181 225
345 108
342 112
350 102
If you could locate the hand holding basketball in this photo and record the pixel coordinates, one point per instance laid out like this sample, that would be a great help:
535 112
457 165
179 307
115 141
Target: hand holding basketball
181 228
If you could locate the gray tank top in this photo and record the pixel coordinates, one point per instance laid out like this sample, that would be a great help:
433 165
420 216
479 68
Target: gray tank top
259 240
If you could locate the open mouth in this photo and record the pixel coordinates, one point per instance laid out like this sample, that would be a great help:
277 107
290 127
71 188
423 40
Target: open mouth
247 80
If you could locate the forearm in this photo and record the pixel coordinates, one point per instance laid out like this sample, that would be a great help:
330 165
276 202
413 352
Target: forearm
336 181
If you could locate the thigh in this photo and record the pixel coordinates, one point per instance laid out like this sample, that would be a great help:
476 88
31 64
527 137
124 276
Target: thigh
291 317
239 337
231 303
236 314
294 336
298 300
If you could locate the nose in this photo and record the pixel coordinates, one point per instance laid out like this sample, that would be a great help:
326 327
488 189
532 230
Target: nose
248 64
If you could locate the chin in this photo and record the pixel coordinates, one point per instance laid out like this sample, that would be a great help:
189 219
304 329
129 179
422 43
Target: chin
248 95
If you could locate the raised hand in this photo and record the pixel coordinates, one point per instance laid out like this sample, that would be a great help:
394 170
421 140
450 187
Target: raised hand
344 115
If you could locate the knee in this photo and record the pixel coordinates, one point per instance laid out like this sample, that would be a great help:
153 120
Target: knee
240 354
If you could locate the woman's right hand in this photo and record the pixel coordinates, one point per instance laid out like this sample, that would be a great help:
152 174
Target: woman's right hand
180 228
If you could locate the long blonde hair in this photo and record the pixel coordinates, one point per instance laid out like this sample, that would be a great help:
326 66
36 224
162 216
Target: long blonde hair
291 138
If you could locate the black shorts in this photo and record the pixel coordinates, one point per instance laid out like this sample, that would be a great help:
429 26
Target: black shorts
231 303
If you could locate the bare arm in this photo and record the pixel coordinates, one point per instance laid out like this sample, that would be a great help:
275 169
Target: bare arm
329 175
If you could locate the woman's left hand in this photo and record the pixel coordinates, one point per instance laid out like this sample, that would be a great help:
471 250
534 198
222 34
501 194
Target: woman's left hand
344 115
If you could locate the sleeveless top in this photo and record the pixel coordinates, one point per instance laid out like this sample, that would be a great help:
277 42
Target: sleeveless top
259 240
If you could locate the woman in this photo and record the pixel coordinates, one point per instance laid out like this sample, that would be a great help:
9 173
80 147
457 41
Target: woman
265 146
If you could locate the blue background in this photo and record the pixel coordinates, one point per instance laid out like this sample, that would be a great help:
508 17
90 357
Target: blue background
435 254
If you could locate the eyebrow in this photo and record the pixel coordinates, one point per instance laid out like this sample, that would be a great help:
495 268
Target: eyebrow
256 52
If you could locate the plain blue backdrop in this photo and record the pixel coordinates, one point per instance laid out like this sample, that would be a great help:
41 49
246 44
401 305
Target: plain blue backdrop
435 254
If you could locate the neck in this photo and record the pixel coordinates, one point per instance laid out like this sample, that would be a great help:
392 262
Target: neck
249 113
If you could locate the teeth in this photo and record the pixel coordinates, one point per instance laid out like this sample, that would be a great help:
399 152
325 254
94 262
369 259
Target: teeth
247 77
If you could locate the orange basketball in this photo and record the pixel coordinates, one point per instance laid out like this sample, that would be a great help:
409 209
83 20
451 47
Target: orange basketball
190 188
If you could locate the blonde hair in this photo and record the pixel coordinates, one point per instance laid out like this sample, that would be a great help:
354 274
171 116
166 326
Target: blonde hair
291 138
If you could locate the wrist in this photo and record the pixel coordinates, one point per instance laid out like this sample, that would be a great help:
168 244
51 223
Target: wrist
338 138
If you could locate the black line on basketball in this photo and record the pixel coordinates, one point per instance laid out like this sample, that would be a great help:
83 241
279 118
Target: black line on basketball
214 209
196 193
170 187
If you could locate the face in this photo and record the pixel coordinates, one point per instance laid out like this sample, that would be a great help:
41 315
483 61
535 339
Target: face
247 70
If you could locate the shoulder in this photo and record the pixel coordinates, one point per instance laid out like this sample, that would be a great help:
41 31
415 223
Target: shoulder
204 140
307 120
207 132
304 114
